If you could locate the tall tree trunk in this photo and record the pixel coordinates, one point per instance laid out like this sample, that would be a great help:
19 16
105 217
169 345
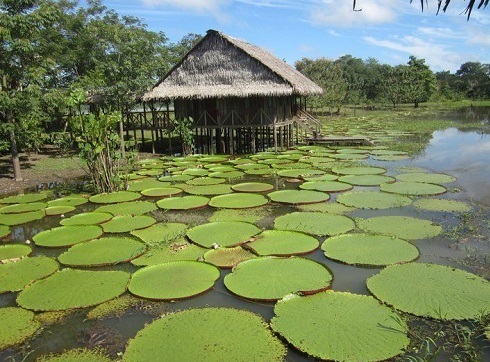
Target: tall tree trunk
15 156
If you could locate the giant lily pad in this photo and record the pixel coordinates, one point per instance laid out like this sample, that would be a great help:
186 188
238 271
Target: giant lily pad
413 188
205 181
209 190
13 251
359 170
176 178
16 275
330 207
103 251
247 215
280 242
161 192
4 231
208 335
432 290
59 210
87 218
227 257
261 171
297 172
225 233
373 200
23 218
71 288
67 235
17 325
23 199
172 250
325 186
20 208
242 200
128 208
68 201
76 355
341 326
115 197
366 180
253 187
369 249
315 223
140 185
271 278
160 233
403 227
191 202
432 178
442 205
126 223
298 197
173 280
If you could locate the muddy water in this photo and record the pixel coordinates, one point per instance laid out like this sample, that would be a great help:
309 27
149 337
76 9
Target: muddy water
465 155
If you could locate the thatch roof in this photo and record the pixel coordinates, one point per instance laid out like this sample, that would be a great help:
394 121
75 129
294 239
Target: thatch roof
221 66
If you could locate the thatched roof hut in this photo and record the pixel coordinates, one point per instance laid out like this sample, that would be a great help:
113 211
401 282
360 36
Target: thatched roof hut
220 66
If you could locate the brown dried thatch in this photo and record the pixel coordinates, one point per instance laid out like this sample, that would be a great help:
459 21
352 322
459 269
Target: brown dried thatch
220 66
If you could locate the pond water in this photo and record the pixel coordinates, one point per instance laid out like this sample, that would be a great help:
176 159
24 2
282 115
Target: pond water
462 154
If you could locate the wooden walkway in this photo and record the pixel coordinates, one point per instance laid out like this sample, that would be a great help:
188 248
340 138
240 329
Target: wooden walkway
339 141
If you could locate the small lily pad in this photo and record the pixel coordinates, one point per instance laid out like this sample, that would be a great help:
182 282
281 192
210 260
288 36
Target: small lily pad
442 205
298 197
271 278
314 223
403 227
253 187
20 208
173 280
72 288
172 250
373 200
115 197
241 200
23 199
127 223
431 290
283 243
413 188
14 251
23 218
160 233
227 257
369 249
17 326
67 235
161 192
191 202
87 218
14 276
128 208
225 233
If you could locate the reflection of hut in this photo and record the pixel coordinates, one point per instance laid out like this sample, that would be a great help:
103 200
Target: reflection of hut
239 97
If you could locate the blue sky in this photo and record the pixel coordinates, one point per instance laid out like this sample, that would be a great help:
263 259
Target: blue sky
388 30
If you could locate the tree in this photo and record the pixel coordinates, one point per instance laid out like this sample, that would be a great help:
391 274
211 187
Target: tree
474 80
421 81
25 59
395 81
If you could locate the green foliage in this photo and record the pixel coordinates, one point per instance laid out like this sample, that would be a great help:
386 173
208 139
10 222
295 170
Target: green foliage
183 127
17 325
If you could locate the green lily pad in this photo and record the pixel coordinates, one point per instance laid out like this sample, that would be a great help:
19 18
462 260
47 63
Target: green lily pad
196 172
173 280
403 227
442 205
209 190
68 201
87 218
391 158
349 156
369 249
261 171
247 215
432 178
413 188
207 335
59 210
145 184
19 219
325 186
127 223
176 178
72 288
359 170
20 208
253 187
15 276
283 243
329 207
172 250
431 290
161 192
14 251
341 326
373 200
67 235
325 177
228 175
252 166
23 199
103 251
116 307
298 197
366 180
205 181
76 355
297 172
225 233
271 278
191 202
160 233
241 200
17 326
227 257
213 159
315 223
115 197
128 208
4 231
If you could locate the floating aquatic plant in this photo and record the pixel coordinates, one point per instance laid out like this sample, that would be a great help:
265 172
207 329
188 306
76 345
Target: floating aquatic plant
191 202
298 197
225 233
253 187
432 178
23 199
128 208
366 180
209 190
4 231
413 188
23 218
442 205
325 186
373 200
127 223
282 243
115 197
161 192
172 250
17 326
73 200
20 208
14 251
59 210
403 227
67 235
315 223
227 257
14 276
77 355
87 218
242 200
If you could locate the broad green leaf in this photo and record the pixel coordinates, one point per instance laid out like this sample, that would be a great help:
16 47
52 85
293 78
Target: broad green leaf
17 326
225 233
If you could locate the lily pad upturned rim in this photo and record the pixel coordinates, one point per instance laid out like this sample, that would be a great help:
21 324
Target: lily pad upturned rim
4 231
432 290
20 208
252 187
14 251
23 198
23 218
115 197
206 334
413 188
320 326
239 200
298 197
432 178
282 243
87 218
161 192
128 208
67 235
59 210
173 280
223 233
189 202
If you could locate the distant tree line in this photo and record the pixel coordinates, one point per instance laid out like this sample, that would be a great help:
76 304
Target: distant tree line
354 81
